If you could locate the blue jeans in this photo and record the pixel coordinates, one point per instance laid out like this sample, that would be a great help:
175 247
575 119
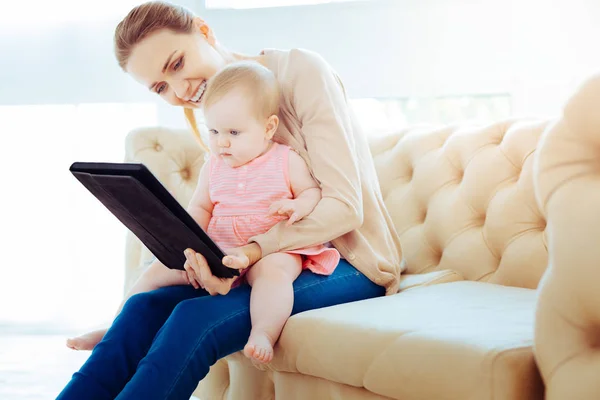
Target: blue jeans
163 342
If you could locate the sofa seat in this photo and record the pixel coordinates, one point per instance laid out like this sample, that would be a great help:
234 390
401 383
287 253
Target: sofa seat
460 340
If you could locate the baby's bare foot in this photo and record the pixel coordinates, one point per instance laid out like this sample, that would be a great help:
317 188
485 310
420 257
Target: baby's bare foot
259 348
87 341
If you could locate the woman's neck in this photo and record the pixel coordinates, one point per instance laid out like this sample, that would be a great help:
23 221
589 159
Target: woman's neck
231 57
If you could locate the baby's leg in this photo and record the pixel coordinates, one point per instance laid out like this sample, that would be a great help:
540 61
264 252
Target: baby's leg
87 341
156 276
271 301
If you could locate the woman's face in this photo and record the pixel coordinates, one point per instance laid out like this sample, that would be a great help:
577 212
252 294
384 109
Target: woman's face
175 66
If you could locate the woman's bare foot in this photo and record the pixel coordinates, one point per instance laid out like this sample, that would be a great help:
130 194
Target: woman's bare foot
259 348
87 341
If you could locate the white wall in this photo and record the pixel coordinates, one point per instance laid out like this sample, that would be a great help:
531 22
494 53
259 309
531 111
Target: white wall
536 49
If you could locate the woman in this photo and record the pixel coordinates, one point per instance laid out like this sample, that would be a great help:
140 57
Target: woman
164 341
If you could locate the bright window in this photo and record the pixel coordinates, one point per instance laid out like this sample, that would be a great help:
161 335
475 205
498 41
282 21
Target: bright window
63 252
267 3
380 116
56 12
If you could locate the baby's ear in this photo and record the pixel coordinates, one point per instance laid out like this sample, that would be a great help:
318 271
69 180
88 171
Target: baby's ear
271 127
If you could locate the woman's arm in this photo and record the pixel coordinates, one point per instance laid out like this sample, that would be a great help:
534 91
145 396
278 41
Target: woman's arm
320 103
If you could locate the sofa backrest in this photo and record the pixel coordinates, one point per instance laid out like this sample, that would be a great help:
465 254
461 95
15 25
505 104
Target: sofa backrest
462 198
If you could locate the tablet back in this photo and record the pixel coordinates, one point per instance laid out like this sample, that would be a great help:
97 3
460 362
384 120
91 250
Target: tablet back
132 193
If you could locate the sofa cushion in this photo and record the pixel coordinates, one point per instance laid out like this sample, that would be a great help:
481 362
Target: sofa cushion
460 340
411 281
466 192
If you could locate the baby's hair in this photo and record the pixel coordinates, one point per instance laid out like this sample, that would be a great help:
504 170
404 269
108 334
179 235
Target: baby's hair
254 80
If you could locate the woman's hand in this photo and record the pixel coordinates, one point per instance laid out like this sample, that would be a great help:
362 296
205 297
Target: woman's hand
200 275
236 258
243 257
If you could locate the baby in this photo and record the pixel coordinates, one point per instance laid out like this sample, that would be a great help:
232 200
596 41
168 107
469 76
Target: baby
249 184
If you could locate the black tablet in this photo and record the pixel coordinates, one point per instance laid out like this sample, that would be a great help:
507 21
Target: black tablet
134 195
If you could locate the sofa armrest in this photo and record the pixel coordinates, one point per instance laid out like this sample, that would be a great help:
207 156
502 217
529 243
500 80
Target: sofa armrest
175 158
567 183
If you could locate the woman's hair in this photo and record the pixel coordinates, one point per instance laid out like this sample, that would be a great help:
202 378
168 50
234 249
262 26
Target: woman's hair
256 82
145 19
142 21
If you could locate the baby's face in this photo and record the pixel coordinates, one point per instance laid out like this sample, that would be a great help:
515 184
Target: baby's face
236 134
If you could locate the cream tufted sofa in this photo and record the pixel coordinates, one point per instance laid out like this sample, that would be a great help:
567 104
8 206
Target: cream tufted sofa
475 248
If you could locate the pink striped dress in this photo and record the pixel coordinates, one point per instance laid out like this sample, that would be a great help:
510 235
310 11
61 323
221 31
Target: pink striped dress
242 196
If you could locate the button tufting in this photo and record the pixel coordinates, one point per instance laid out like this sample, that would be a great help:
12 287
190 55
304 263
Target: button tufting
185 174
158 147
438 255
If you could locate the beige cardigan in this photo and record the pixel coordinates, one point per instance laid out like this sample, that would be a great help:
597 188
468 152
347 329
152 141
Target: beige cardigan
316 120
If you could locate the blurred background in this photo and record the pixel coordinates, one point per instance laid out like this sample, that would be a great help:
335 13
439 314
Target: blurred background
63 99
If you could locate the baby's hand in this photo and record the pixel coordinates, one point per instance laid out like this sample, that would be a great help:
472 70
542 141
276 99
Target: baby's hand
295 209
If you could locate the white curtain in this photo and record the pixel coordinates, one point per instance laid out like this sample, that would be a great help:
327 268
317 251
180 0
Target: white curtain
63 99
237 4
